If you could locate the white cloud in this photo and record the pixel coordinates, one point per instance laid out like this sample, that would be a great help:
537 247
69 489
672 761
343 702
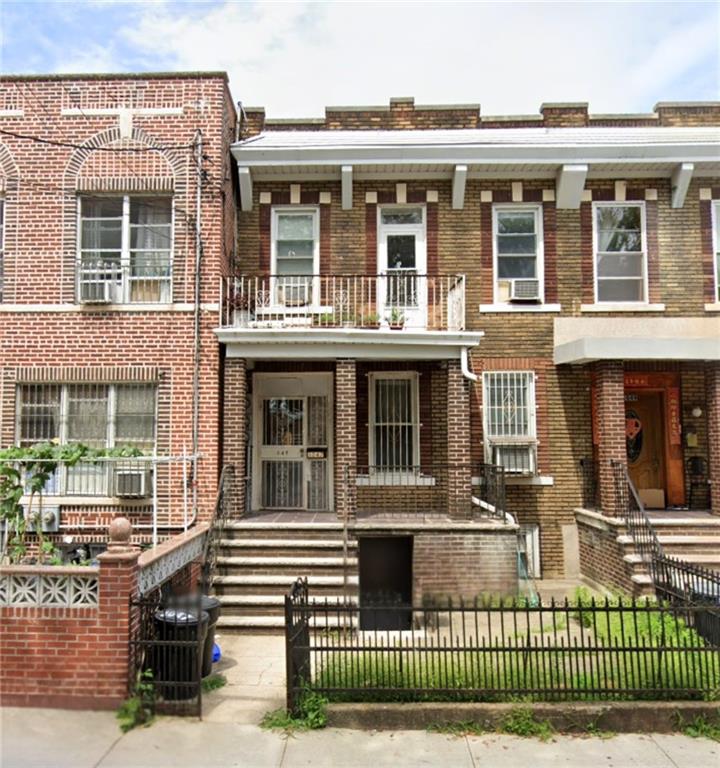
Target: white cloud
295 58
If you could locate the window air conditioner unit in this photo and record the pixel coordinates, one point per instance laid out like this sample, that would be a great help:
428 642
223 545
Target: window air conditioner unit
96 292
132 483
516 459
525 290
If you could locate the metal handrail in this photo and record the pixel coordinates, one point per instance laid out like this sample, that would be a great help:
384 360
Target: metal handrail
217 525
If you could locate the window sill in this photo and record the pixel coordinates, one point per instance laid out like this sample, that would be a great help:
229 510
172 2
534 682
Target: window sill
622 307
394 479
523 480
713 307
57 500
512 308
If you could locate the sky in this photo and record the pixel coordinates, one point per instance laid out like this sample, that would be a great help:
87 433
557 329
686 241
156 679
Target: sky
295 58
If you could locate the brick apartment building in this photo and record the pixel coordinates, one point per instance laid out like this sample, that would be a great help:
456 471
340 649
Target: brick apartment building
101 315
411 297
556 280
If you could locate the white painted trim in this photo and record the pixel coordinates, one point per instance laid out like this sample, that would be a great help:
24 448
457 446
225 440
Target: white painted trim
295 194
681 178
539 480
569 185
587 349
100 308
12 113
246 188
458 187
622 307
108 111
643 230
346 173
414 378
712 307
536 209
294 210
715 224
511 309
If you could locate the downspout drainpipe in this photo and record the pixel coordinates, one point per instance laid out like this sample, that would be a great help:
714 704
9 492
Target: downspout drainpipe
196 362
465 366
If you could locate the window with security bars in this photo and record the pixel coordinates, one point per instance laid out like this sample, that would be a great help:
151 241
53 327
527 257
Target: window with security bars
394 421
125 250
716 237
96 415
620 255
509 420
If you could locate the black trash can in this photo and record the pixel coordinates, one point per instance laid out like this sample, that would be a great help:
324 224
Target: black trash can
210 605
181 634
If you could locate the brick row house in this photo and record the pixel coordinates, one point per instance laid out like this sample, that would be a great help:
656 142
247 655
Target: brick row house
426 292
366 315
118 217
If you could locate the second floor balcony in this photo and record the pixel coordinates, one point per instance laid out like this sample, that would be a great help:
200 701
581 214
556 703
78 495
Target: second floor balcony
399 300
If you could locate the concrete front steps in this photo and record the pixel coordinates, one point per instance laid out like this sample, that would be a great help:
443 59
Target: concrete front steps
258 562
692 539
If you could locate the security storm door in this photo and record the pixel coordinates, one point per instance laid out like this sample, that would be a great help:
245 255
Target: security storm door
293 458
402 266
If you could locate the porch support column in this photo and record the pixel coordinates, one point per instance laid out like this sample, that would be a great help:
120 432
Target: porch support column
610 389
345 439
459 470
712 395
234 425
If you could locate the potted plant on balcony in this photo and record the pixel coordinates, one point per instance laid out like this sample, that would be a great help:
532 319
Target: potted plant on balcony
396 320
370 321
243 307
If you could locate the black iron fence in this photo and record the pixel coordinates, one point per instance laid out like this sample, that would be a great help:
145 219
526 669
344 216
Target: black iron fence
166 653
481 652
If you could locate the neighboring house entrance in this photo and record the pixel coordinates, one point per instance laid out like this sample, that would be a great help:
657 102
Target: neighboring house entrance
292 452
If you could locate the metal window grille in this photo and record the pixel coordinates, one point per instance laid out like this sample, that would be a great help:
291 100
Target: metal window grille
125 252
2 243
509 410
395 422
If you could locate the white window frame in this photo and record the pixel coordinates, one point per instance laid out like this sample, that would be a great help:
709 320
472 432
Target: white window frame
529 440
304 210
414 378
715 223
539 246
125 245
644 251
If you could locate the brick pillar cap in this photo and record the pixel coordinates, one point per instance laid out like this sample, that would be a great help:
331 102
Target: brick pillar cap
119 546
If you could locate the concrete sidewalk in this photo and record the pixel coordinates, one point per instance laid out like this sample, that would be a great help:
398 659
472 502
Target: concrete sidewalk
229 735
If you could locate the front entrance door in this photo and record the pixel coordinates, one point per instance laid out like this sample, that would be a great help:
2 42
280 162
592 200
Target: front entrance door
402 265
293 461
645 441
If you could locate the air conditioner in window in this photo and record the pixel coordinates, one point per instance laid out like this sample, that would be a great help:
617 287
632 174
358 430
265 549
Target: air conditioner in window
515 458
132 483
96 291
524 290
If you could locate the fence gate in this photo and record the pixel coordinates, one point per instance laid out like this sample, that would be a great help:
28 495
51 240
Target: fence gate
166 651
297 642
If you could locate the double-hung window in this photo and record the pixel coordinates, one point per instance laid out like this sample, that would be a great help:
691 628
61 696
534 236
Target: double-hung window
620 253
95 415
518 249
394 423
509 420
716 247
295 256
125 250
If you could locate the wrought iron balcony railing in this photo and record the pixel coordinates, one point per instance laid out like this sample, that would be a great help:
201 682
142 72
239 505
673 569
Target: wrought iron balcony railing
397 300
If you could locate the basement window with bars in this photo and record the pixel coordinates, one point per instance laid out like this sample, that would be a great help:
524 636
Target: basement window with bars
96 415
394 422
509 420
620 255
518 245
125 250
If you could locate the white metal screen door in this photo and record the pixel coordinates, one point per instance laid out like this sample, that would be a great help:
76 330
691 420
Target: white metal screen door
402 264
292 417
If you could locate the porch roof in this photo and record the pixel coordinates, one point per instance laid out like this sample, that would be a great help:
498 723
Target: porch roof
334 343
585 339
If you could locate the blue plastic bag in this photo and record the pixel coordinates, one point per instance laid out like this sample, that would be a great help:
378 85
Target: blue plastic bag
217 653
